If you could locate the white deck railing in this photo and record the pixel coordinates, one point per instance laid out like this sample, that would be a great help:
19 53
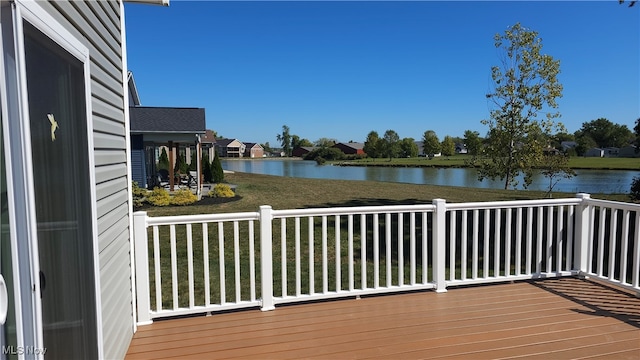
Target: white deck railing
207 263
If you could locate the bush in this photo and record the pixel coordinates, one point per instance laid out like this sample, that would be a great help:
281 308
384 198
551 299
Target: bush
325 153
634 194
216 170
139 194
222 190
159 197
183 197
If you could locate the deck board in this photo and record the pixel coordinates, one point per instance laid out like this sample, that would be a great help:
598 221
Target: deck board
554 318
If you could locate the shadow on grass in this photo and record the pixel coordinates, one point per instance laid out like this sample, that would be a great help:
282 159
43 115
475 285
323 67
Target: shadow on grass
369 202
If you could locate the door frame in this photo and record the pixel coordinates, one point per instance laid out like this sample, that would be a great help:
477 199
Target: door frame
18 148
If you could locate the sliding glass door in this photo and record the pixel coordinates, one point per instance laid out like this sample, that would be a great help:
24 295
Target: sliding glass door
51 212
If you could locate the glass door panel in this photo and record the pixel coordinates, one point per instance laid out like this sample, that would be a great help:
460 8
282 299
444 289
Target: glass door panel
8 339
58 122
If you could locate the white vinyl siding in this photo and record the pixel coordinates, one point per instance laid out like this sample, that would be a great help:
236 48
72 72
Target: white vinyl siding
97 25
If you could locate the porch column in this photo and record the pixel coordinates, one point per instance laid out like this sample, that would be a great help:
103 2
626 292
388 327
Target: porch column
172 159
199 167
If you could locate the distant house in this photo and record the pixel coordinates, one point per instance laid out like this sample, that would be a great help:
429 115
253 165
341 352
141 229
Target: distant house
253 150
611 151
567 145
302 151
232 148
461 148
594 152
630 151
352 148
208 141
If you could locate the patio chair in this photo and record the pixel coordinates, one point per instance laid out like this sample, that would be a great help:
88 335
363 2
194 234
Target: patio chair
163 178
193 179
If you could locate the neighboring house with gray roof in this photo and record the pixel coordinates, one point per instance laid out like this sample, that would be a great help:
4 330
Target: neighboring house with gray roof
179 129
232 148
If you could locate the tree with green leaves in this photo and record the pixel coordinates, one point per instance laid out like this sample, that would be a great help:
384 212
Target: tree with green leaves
525 84
390 142
163 161
206 168
408 148
325 142
285 140
430 143
216 170
605 133
472 142
554 166
181 166
637 130
297 142
372 145
448 146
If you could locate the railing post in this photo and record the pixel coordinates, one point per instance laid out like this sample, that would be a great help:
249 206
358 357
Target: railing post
581 240
439 244
266 258
141 253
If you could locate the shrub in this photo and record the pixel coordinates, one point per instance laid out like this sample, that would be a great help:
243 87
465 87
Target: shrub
183 197
206 169
326 153
139 194
634 194
216 170
222 190
159 197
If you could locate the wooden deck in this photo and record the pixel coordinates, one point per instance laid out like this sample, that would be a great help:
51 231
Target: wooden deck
550 319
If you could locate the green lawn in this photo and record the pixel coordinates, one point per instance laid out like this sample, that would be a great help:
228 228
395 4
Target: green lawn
288 193
459 161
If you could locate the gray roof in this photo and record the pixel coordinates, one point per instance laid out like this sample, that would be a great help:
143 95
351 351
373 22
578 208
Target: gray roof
167 120
353 145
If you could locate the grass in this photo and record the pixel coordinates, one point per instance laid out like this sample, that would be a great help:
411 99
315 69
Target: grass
294 193
289 193
459 161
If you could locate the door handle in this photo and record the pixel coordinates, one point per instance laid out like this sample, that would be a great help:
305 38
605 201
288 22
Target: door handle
4 301
43 283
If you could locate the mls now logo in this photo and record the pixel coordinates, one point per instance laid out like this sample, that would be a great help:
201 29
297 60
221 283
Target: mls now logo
23 350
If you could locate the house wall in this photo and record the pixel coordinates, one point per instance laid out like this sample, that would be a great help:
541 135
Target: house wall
97 25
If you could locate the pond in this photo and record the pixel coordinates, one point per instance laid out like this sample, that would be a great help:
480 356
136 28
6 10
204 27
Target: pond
588 181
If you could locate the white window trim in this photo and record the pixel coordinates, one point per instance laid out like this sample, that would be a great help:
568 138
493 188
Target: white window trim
32 12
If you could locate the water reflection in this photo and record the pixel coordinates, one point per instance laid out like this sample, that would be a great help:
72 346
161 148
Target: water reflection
589 181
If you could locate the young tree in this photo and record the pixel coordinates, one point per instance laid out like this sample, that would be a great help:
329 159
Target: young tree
472 142
216 170
391 146
555 167
163 162
408 148
285 140
525 84
637 130
372 145
206 168
448 146
430 143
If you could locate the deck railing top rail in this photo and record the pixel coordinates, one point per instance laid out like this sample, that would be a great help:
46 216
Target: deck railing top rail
352 210
204 218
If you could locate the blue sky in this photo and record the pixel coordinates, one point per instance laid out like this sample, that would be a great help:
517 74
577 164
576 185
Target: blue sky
341 69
